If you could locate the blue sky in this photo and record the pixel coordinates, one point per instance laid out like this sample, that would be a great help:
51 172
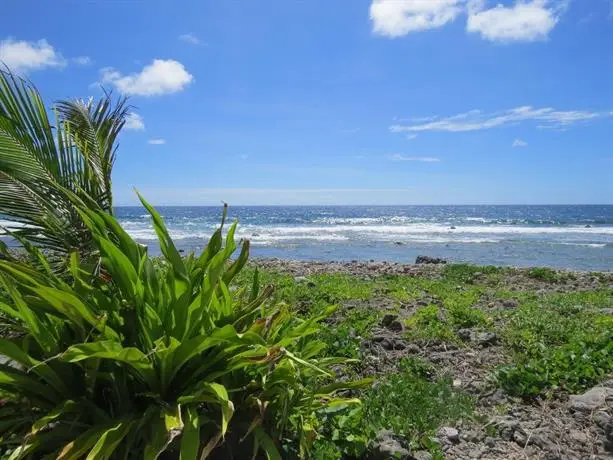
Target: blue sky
344 102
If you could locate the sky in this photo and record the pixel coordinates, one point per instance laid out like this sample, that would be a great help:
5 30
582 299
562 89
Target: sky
337 102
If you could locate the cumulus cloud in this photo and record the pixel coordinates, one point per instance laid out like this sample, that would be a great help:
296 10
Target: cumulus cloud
519 143
156 141
23 56
399 157
475 120
134 122
190 38
395 18
410 137
524 21
159 77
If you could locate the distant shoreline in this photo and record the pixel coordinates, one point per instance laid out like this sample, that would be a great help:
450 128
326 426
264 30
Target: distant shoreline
378 268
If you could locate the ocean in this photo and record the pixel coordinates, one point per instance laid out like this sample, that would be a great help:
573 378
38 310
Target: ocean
574 237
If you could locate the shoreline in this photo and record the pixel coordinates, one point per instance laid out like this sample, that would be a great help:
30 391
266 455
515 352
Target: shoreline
375 267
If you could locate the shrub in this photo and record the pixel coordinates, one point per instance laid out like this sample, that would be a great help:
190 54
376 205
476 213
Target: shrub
136 361
543 274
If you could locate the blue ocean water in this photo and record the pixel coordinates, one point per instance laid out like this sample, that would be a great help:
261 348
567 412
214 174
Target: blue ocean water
576 237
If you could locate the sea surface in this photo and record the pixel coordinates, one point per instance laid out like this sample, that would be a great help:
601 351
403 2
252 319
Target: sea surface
575 237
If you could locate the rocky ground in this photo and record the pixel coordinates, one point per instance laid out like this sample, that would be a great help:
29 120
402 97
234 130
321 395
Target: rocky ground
559 426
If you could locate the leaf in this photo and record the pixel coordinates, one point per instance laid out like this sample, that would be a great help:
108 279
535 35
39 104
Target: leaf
165 428
114 351
190 439
213 393
64 408
109 440
267 444
76 449
166 244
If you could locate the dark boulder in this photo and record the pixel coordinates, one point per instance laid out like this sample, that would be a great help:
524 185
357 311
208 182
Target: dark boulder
429 260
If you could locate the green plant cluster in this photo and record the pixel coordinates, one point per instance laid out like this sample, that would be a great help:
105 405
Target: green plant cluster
412 402
144 361
559 342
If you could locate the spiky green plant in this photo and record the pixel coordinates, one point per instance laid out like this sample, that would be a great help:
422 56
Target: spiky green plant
39 160
144 361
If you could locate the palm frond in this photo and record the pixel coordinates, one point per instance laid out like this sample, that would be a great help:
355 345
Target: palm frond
42 163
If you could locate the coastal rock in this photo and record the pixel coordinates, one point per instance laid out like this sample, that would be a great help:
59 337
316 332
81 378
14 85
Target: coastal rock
422 455
510 303
485 339
597 398
388 319
449 434
482 339
388 446
506 426
429 260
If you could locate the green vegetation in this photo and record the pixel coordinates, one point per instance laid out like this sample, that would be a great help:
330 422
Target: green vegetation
559 342
136 360
41 164
412 402
543 274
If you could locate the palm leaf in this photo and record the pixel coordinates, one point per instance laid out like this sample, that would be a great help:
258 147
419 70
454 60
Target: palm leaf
40 163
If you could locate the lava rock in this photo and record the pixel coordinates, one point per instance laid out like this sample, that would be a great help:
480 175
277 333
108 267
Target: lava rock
510 303
592 400
429 260
474 436
422 455
388 319
485 339
506 426
387 446
465 335
449 434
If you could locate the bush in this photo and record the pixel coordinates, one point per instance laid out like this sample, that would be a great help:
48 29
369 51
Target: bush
138 361
543 274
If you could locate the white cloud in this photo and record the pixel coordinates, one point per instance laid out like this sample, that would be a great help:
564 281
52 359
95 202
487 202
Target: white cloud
156 141
190 38
410 137
395 18
475 120
519 143
399 157
525 21
23 56
134 122
82 60
159 77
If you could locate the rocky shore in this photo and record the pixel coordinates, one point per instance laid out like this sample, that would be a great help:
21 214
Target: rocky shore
560 425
